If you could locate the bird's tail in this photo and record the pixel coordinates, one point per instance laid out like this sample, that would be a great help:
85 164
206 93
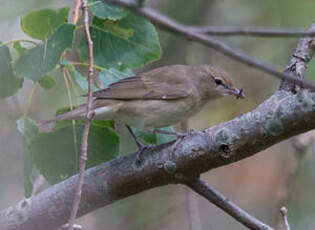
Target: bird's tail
77 113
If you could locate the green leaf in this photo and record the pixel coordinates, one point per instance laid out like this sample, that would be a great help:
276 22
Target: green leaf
113 28
164 138
47 82
55 153
9 83
40 60
106 11
43 23
19 48
111 75
113 51
153 138
29 130
82 81
148 137
79 79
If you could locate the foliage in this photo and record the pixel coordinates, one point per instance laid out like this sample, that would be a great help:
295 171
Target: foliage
130 42
122 41
9 83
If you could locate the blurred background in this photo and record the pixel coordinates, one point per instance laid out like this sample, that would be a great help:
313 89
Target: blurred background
281 175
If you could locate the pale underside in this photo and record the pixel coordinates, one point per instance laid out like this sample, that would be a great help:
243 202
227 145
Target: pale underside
148 114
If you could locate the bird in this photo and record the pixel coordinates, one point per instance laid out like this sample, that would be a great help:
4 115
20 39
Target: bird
157 98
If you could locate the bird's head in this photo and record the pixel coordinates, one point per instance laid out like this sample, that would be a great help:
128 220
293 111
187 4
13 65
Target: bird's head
219 83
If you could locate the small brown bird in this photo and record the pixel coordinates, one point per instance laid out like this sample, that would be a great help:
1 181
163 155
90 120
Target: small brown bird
158 98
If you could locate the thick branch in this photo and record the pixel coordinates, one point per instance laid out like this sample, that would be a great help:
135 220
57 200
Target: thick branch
216 198
303 54
281 116
170 25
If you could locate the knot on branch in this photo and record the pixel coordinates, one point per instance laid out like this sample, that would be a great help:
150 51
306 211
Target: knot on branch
19 213
306 100
170 167
224 139
225 151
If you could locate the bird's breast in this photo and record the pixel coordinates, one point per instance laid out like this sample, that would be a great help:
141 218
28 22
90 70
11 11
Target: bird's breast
150 114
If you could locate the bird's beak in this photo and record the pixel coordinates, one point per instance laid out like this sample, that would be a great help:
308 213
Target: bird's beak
238 93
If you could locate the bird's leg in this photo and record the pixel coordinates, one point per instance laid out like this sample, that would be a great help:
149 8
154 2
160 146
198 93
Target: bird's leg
141 147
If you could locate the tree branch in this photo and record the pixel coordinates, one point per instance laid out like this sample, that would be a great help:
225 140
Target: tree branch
88 119
302 56
216 198
281 116
172 26
252 31
76 11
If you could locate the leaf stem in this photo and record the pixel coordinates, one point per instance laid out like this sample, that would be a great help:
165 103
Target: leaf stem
99 68
75 140
20 40
29 100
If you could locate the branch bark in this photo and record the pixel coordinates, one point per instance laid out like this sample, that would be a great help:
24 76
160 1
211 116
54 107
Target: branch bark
216 198
281 116
302 56
88 119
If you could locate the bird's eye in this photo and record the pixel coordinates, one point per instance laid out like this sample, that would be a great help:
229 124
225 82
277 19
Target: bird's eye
218 81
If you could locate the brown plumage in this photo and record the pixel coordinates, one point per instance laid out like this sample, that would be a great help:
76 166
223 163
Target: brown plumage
160 97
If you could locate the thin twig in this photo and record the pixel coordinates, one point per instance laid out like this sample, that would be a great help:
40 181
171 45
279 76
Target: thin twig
216 198
76 12
172 26
251 31
89 116
284 213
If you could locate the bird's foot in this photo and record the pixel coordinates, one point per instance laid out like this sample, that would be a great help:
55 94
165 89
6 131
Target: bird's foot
142 149
141 146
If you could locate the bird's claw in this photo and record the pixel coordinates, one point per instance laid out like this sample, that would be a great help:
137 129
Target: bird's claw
141 150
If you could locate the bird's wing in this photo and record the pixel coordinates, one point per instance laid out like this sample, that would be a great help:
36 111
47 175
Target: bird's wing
145 87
